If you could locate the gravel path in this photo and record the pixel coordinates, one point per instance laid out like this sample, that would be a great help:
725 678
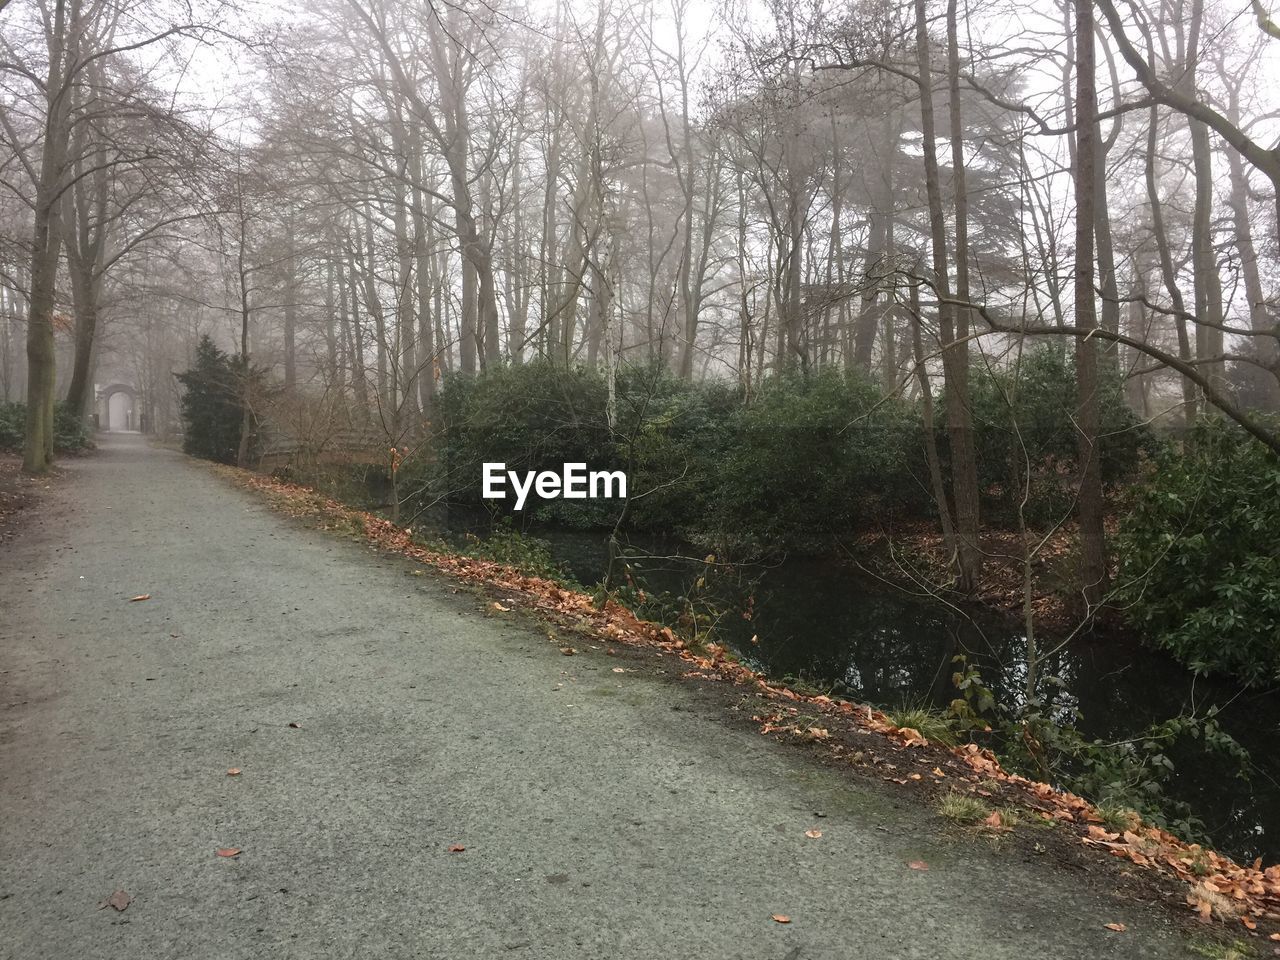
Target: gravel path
604 815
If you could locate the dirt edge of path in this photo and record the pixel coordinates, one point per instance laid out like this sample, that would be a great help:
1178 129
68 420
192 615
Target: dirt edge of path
1206 893
20 493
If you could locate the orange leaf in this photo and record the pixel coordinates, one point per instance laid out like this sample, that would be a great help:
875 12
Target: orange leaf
141 596
813 834
918 865
912 737
779 918
233 772
1116 927
456 848
228 851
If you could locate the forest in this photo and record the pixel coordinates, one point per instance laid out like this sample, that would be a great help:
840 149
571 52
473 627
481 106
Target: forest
976 305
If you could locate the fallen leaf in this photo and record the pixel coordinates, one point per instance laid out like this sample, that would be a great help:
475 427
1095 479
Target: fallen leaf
498 606
1275 936
456 848
918 865
233 772
619 669
912 737
779 918
228 851
1117 927
568 651
1248 923
141 596
117 901
813 834
295 724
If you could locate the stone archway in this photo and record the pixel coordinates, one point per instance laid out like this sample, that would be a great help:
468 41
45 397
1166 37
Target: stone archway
118 408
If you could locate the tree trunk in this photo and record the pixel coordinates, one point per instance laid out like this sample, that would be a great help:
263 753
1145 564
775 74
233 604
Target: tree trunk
84 296
952 323
422 272
246 396
1167 271
46 242
1093 565
877 262
1266 348
406 320
350 314
1208 282
1106 252
930 433
373 309
86 203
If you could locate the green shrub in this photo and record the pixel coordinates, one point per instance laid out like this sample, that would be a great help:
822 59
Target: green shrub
69 430
538 416
507 545
796 469
212 408
1199 564
807 462
812 459
1033 406
13 425
672 438
1043 741
530 417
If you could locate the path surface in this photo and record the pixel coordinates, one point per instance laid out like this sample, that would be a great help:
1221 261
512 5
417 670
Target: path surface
606 816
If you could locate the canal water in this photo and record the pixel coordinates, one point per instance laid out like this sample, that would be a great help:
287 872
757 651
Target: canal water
838 629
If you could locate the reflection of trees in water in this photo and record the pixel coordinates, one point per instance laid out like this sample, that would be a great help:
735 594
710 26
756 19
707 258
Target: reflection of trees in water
822 623
1059 676
890 651
859 642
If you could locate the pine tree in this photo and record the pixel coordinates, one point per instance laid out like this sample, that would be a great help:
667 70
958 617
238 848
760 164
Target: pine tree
212 410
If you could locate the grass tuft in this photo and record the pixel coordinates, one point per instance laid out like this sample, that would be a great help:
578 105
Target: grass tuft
934 725
963 808
1236 950
1117 818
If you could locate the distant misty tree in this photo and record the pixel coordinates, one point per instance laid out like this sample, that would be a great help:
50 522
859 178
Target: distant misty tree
212 404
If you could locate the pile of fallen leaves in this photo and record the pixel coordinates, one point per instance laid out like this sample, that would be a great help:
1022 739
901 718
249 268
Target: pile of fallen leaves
1217 887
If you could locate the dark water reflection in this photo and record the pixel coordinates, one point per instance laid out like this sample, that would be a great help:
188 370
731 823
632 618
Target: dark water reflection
833 627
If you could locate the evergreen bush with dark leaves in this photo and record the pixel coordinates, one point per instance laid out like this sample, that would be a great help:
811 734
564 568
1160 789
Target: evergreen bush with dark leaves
1200 555
212 407
69 431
